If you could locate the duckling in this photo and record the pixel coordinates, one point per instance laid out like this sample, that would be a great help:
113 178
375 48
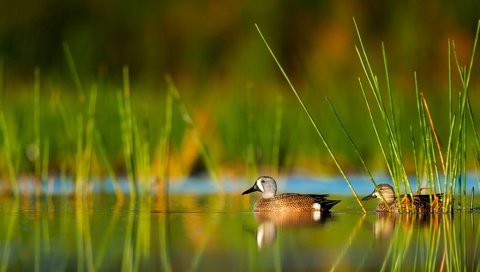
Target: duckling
422 203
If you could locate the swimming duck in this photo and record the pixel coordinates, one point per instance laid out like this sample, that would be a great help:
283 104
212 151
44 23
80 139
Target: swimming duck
288 202
422 203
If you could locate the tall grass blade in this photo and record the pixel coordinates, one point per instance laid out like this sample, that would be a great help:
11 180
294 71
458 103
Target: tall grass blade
2 76
394 157
189 122
252 169
310 117
73 69
9 146
36 132
85 138
434 132
163 190
350 139
126 126
102 155
277 131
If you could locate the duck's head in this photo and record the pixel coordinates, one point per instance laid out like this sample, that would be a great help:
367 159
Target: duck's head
264 184
384 190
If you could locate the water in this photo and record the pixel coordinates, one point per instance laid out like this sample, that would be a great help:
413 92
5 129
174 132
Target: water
205 232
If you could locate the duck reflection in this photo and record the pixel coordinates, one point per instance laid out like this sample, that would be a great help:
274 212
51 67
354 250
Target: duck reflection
269 222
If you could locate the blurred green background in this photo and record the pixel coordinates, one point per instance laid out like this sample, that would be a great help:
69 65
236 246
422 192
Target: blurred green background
226 77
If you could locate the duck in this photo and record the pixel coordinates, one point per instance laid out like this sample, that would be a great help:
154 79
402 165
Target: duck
287 202
422 203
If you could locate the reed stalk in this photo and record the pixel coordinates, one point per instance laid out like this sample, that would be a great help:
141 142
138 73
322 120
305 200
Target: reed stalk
100 152
277 131
73 69
252 169
126 127
163 188
36 148
312 121
2 77
391 150
352 142
84 141
189 122
10 145
453 162
142 159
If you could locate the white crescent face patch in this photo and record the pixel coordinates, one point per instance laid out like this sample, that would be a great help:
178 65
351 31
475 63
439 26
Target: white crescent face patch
259 185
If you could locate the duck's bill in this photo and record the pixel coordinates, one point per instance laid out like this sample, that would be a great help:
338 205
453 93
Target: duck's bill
370 196
251 190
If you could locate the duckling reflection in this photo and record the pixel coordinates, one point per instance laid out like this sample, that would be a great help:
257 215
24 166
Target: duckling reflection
386 223
269 222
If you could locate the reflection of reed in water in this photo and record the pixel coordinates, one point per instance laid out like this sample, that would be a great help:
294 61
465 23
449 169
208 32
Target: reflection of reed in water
269 221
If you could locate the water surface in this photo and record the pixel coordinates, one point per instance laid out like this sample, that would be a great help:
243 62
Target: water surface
206 232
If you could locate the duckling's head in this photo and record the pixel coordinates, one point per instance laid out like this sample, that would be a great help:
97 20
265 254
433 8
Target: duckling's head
384 190
264 184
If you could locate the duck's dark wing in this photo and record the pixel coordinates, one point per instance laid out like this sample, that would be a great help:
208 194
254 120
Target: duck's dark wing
423 203
325 203
429 198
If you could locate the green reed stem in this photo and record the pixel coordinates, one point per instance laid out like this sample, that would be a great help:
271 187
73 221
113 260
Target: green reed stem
2 76
73 68
100 152
394 158
141 158
36 131
165 151
252 170
45 162
189 122
277 131
9 147
312 121
85 133
126 126
350 139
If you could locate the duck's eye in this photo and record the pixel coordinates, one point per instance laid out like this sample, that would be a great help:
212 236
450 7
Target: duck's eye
263 181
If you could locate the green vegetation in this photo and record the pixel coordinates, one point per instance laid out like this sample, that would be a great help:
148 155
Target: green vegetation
431 157
431 167
92 129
